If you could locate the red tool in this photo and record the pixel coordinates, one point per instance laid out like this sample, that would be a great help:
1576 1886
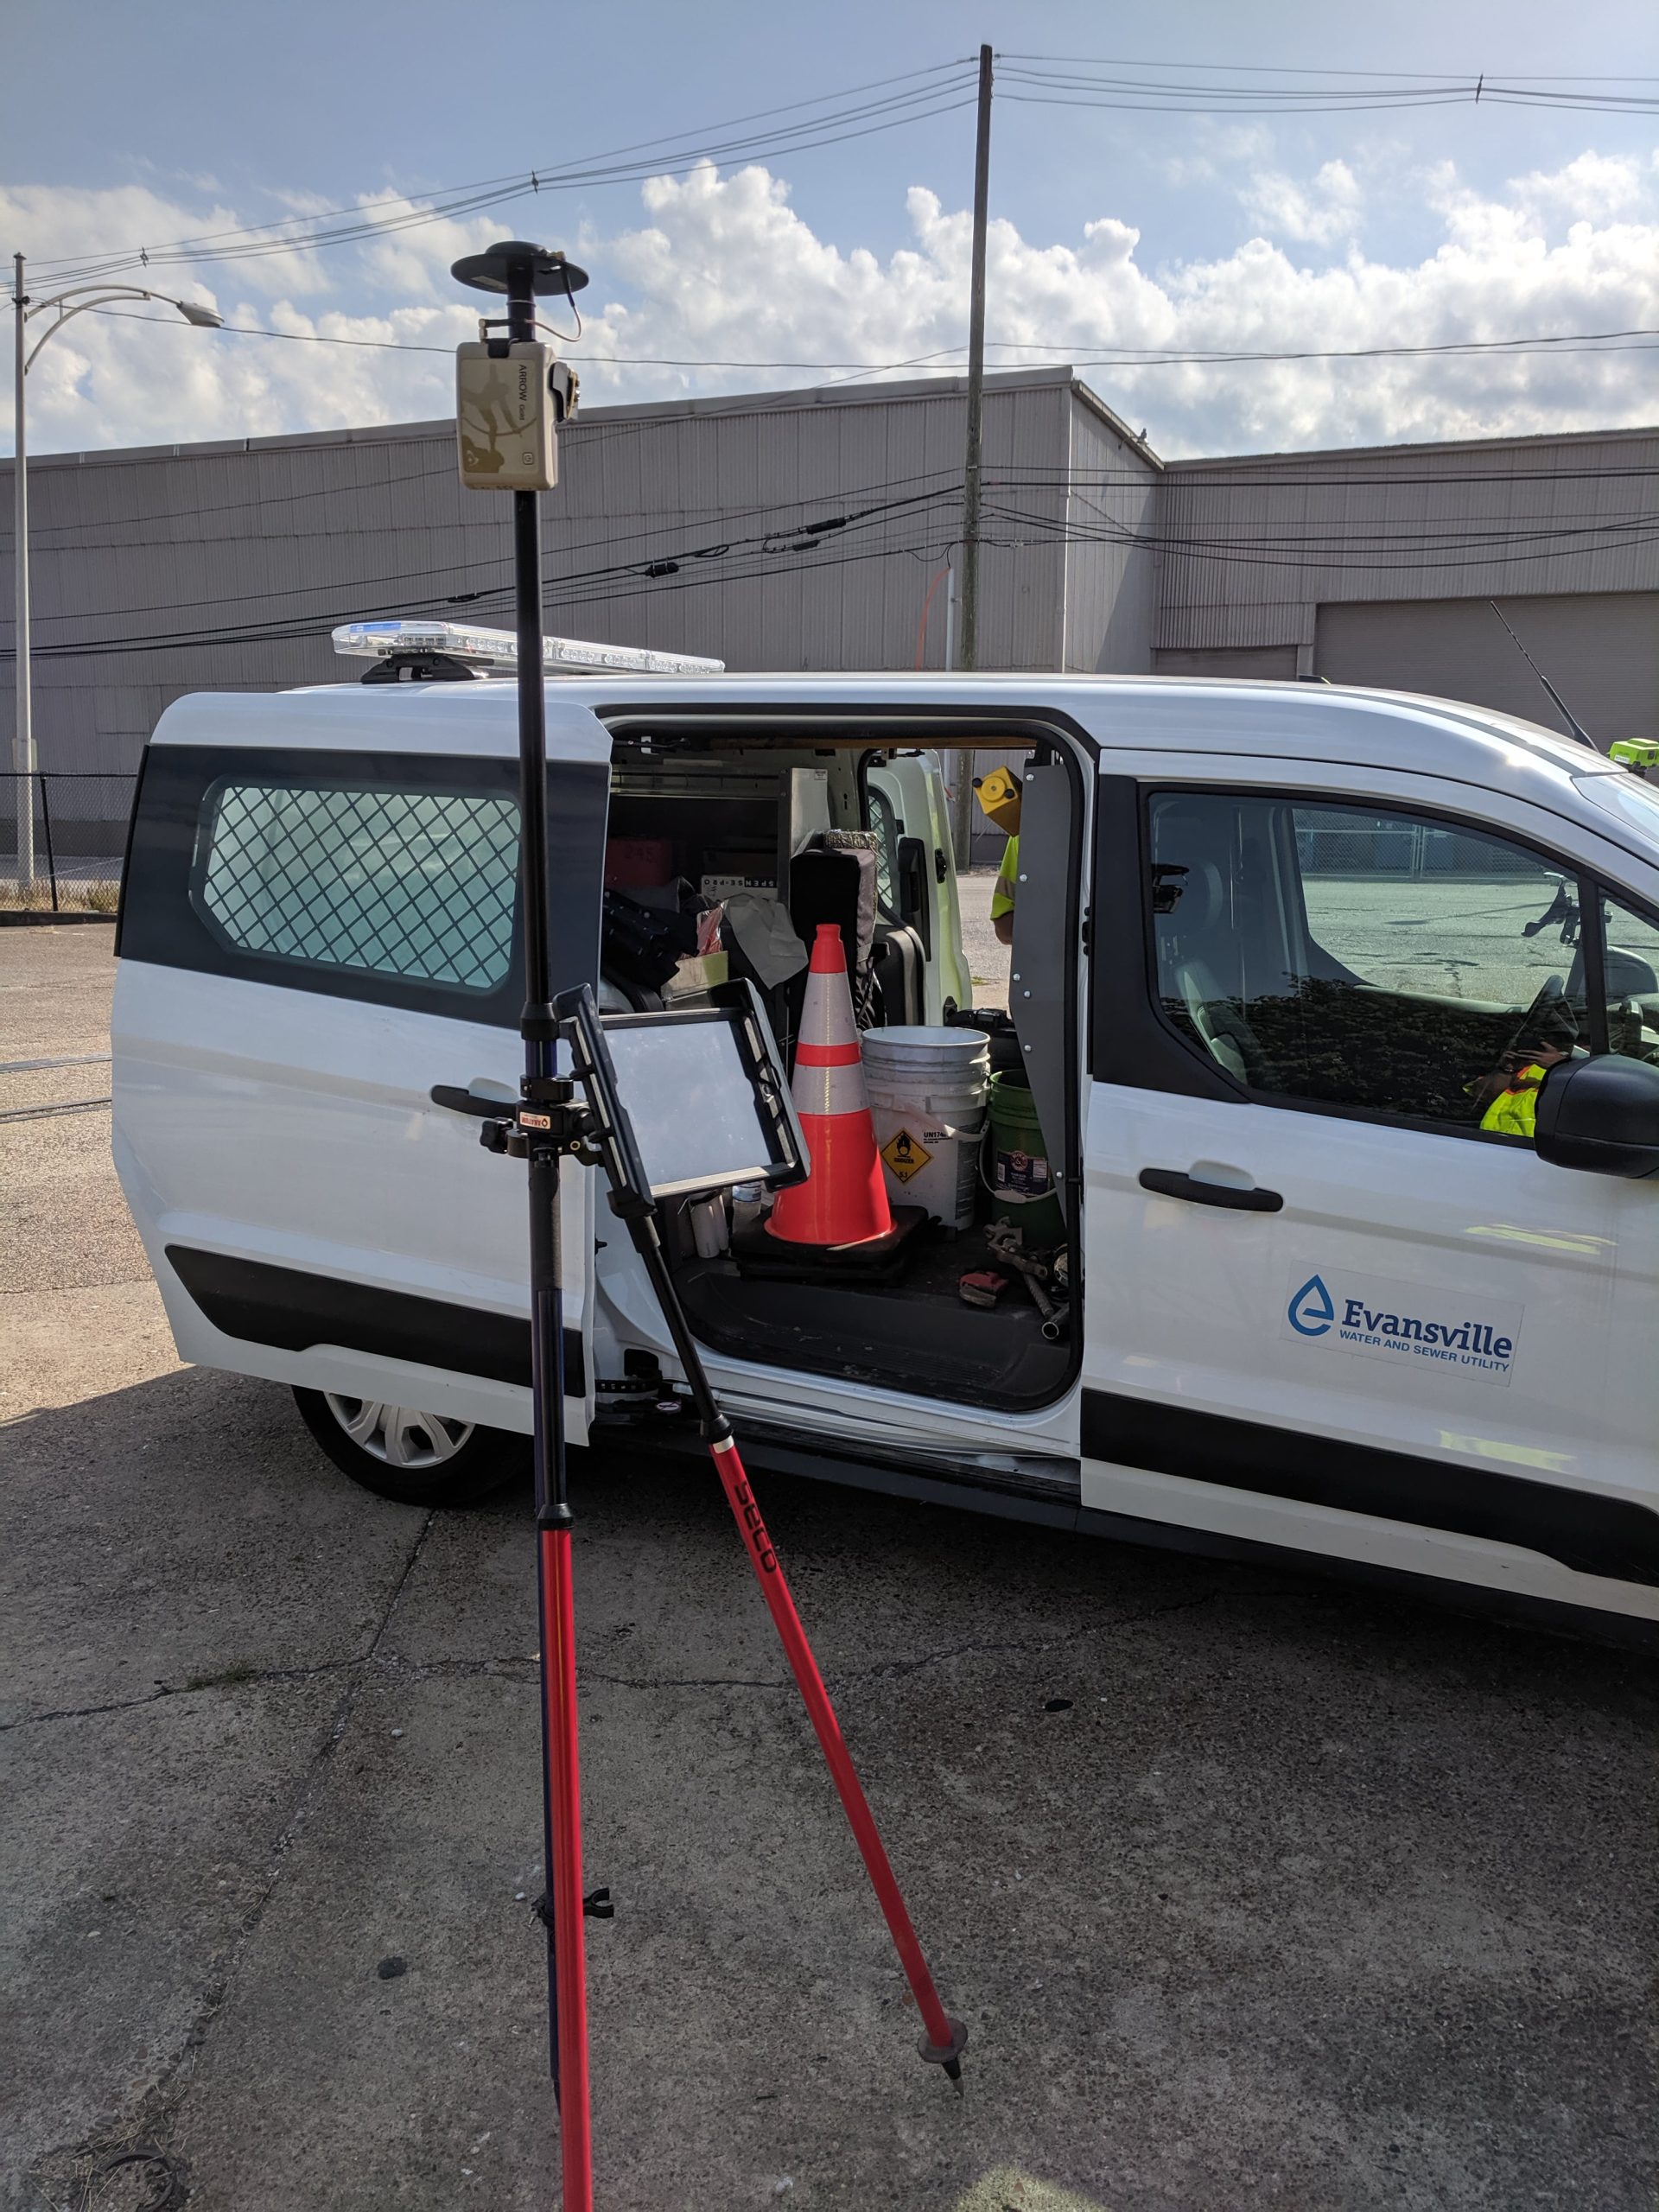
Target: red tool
611 1140
943 2039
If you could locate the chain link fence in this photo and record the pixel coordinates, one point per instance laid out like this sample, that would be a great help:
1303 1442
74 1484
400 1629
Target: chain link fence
1346 843
68 860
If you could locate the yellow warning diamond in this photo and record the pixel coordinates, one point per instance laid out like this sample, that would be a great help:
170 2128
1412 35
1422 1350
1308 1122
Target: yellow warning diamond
906 1155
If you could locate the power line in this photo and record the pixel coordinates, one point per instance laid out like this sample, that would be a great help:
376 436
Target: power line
308 233
1285 556
446 468
286 222
516 177
925 89
704 516
315 627
584 435
1180 480
1079 352
742 561
800 536
1051 81
1280 69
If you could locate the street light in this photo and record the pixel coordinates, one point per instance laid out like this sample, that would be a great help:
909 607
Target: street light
82 296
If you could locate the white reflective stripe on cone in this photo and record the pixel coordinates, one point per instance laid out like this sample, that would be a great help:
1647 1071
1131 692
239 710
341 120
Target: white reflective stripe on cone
827 1011
830 1091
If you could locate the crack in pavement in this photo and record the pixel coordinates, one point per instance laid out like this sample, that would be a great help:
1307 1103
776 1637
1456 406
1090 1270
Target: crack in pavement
231 1681
166 2097
523 1669
214 1997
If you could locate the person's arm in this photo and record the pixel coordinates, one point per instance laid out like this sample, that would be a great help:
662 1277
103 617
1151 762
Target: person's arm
1002 895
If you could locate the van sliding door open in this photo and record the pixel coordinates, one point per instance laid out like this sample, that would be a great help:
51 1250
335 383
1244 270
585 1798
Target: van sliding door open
790 822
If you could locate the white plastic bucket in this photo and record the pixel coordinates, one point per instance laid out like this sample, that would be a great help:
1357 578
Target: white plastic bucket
927 1089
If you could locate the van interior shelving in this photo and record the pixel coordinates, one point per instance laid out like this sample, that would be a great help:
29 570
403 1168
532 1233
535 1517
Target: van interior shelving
700 814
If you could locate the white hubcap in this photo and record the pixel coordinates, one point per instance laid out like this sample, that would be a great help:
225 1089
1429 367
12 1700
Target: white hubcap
399 1435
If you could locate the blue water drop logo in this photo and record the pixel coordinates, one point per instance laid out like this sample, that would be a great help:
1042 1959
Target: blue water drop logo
1311 1310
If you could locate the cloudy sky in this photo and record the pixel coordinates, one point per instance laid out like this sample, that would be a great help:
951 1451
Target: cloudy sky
1221 220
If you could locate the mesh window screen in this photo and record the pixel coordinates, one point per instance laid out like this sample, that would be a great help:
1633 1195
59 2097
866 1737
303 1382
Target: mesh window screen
886 843
418 884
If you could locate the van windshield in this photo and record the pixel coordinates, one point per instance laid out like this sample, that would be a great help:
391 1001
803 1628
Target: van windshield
1628 797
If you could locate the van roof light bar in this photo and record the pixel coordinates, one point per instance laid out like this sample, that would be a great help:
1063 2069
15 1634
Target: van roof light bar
468 646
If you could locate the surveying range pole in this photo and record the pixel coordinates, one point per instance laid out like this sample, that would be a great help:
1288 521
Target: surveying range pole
968 598
522 270
23 736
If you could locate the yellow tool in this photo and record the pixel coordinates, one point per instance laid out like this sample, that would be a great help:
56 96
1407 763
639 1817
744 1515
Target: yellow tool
999 795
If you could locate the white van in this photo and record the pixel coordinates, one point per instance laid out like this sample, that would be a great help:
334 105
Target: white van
1276 948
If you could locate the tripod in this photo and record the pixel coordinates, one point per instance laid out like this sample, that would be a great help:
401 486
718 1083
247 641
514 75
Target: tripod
611 1144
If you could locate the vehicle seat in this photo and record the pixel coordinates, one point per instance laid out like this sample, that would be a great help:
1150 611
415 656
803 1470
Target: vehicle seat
1223 1030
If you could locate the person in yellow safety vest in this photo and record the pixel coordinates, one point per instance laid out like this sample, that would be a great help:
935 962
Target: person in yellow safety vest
1514 1112
1002 895
998 798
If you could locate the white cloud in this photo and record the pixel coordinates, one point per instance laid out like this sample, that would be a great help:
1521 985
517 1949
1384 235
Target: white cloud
1594 185
722 268
1322 211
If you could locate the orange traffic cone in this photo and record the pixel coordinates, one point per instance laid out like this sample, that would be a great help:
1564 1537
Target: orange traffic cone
844 1199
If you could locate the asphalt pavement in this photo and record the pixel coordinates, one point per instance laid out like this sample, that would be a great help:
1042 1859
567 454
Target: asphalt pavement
1254 1890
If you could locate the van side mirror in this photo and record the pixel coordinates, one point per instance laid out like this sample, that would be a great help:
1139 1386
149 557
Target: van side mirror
1600 1114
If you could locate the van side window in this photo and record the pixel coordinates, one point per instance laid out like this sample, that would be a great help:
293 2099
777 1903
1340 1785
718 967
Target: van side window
1386 963
887 847
407 883
1630 940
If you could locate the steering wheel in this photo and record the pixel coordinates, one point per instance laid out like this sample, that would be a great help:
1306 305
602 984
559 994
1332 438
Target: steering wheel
1552 993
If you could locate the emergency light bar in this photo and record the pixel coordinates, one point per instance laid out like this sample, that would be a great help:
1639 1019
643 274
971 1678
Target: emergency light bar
477 647
1642 759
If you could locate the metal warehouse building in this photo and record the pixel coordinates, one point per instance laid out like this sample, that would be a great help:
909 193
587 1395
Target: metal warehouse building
812 529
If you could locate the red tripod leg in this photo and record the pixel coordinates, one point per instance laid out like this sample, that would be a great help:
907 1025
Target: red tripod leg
943 2037
564 1873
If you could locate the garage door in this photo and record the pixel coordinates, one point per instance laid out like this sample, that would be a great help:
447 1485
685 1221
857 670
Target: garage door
1600 650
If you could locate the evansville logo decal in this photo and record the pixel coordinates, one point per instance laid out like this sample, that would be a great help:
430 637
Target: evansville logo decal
1474 1337
1310 1312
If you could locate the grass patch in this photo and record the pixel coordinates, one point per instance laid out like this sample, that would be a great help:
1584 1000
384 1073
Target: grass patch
243 1671
72 898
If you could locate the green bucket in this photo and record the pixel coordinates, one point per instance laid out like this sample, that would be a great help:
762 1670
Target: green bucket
1022 1179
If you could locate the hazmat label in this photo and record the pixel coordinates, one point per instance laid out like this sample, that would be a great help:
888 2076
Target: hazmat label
1473 1337
906 1155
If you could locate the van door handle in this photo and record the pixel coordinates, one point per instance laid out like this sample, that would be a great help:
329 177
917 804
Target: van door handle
468 1102
1170 1183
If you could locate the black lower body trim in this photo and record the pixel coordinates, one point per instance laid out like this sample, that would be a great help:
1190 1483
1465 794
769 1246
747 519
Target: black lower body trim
296 1310
1034 1504
1049 1499
1607 1536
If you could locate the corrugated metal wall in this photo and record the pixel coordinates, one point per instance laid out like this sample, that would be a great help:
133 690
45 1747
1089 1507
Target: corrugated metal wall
1111 512
225 567
1250 549
1600 650
690 526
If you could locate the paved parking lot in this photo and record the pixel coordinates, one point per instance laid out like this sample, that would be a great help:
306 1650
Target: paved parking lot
1305 1899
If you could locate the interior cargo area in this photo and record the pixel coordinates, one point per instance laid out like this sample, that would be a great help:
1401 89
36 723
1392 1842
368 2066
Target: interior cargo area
727 852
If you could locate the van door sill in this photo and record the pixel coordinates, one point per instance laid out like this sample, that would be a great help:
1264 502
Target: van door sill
1036 1479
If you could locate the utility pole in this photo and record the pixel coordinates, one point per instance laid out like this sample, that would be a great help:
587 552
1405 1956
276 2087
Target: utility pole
22 735
968 598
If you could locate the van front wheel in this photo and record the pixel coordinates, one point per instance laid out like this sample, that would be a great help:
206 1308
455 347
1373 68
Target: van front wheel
415 1457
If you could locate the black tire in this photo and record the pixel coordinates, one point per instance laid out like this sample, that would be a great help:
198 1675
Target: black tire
469 1471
